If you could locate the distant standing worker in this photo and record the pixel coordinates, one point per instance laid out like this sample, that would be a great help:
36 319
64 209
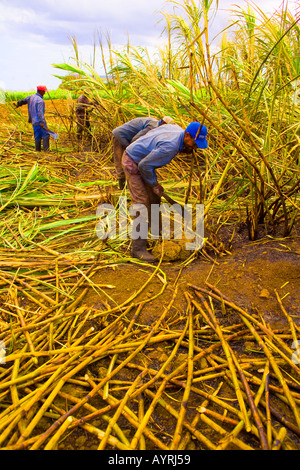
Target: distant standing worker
140 160
129 132
83 115
36 116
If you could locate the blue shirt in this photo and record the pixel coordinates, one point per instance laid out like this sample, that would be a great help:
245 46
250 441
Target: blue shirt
132 130
36 109
156 149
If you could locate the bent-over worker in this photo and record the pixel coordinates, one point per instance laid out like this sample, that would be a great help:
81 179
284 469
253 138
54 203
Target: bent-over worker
140 160
129 132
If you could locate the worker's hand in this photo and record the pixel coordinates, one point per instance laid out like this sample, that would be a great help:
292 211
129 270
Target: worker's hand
158 190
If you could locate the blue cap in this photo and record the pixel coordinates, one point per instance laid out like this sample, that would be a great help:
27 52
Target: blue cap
199 133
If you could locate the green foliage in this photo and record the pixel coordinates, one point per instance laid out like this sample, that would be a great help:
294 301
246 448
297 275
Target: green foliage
245 91
54 94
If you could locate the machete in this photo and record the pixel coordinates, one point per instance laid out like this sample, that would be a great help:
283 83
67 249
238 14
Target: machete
171 201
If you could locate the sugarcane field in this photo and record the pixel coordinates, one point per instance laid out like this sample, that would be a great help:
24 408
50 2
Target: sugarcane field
183 338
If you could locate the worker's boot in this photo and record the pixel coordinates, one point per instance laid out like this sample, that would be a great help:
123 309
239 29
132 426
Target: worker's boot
38 145
46 144
139 250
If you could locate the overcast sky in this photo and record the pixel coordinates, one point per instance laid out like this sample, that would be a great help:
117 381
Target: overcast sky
35 34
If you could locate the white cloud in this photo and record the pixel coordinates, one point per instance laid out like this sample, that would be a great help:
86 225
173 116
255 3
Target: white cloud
77 18
36 34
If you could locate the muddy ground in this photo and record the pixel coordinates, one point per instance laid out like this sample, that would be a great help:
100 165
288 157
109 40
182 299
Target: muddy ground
248 276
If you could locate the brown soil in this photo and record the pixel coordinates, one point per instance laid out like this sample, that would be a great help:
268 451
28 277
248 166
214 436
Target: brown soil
249 277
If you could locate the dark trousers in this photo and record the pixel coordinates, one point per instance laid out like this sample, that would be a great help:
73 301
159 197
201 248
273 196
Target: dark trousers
141 192
83 124
41 135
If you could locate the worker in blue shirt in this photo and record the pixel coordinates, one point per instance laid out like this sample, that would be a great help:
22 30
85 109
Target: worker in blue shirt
130 132
152 151
36 116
